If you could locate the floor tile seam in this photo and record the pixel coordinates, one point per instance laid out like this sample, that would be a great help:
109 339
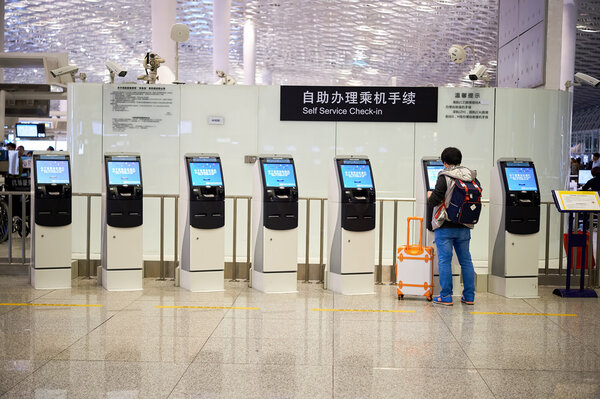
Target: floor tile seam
203 345
27 376
577 372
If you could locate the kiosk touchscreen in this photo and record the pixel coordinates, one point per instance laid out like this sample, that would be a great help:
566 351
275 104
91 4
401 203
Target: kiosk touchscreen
351 226
51 228
426 180
275 224
202 223
514 228
122 217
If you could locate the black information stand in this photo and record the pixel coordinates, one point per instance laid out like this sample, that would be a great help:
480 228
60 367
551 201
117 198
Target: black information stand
575 240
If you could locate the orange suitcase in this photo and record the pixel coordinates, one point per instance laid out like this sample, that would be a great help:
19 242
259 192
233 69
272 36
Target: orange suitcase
414 266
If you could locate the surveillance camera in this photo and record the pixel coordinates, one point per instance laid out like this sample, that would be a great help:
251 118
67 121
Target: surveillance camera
115 68
478 72
69 69
587 79
457 53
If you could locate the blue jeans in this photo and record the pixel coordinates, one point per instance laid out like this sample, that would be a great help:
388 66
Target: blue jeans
459 238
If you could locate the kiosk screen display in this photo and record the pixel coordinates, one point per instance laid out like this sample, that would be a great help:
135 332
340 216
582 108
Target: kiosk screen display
520 179
206 174
584 176
52 172
356 176
432 174
122 173
279 175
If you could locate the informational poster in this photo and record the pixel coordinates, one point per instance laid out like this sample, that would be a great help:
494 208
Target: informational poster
467 104
359 104
571 201
140 108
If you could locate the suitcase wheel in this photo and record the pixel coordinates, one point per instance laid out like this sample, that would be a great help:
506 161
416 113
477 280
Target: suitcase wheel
430 298
400 297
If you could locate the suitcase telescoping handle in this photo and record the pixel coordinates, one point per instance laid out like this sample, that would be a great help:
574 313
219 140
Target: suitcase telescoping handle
408 244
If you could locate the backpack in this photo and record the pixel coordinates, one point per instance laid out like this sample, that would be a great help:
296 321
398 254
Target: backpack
465 202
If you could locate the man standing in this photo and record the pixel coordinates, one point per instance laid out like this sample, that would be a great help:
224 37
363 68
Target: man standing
448 234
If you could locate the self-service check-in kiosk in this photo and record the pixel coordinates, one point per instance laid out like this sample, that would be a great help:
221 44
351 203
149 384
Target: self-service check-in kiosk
122 217
51 227
275 224
202 223
514 227
351 226
426 179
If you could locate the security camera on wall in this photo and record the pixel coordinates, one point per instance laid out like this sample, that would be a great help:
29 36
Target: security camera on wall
115 69
68 70
151 63
587 79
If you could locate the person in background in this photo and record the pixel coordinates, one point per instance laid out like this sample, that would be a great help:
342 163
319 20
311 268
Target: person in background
574 167
50 148
596 160
594 183
11 147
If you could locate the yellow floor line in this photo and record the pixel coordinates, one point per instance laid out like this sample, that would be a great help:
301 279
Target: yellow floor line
365 310
527 314
204 307
52 304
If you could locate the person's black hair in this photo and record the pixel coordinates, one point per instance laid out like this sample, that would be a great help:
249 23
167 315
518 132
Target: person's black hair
452 156
596 171
596 154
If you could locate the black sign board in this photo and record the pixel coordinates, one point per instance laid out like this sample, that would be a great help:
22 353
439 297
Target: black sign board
359 104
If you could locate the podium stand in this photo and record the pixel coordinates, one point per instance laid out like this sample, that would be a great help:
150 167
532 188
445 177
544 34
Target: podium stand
572 202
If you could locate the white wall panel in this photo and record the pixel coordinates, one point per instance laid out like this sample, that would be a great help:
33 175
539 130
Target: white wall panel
390 147
508 27
474 138
508 64
533 123
531 56
531 12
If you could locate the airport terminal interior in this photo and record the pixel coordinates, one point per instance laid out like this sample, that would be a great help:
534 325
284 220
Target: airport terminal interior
307 199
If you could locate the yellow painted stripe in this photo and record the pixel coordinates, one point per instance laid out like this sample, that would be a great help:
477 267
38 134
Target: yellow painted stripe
52 304
365 310
204 307
527 314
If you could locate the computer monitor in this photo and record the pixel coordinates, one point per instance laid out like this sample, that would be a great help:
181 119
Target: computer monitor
520 176
205 173
584 176
26 130
356 174
52 172
123 173
279 173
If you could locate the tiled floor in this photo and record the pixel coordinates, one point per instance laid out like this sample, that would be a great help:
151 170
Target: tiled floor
130 347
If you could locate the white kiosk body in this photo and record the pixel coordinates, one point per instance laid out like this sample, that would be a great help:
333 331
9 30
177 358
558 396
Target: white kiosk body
51 232
514 229
275 224
122 222
426 179
351 226
202 223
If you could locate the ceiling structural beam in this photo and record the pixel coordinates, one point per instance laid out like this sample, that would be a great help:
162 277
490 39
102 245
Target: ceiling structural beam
221 29
249 53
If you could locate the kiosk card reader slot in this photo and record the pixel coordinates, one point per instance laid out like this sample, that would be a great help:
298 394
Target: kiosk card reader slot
202 231
351 226
51 226
122 217
514 228
275 224
426 180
